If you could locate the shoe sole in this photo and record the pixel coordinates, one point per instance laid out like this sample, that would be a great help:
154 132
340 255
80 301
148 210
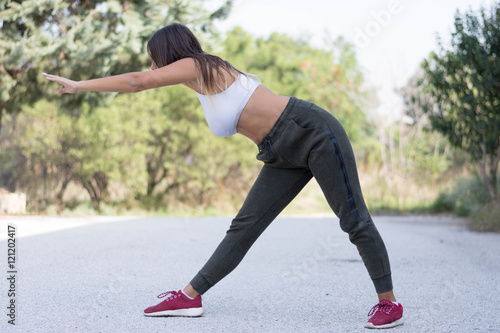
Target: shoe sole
398 322
193 312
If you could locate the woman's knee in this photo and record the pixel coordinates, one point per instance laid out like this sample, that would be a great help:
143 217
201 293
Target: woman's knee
356 225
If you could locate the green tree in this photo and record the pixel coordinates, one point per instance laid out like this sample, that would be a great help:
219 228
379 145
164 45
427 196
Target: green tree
48 149
427 152
83 40
464 83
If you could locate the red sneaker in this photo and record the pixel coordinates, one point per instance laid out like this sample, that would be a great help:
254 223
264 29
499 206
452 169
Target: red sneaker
385 315
176 305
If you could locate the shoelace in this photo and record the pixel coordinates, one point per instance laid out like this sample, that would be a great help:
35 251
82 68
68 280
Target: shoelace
383 306
167 293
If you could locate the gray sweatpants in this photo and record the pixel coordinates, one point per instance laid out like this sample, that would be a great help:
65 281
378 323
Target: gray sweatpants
306 141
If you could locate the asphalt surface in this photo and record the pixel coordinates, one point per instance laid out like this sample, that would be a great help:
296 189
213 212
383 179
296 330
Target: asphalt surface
302 275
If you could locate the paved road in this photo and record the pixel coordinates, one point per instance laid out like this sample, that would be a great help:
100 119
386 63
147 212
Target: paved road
302 275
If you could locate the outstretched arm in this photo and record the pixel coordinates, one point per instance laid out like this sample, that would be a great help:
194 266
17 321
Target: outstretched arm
181 71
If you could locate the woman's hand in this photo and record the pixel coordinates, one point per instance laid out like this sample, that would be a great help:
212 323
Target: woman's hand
70 86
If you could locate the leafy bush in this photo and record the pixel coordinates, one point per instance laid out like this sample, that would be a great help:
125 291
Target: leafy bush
487 218
465 198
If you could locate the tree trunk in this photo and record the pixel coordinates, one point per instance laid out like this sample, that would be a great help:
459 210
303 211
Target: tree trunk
61 192
493 177
494 161
489 176
156 172
94 196
97 187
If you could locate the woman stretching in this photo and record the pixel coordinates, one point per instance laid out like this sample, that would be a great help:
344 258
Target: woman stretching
297 140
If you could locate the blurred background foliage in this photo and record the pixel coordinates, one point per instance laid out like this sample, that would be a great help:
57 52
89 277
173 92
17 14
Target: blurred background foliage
96 153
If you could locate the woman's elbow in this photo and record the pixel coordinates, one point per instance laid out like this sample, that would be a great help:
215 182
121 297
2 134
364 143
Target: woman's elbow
135 87
135 84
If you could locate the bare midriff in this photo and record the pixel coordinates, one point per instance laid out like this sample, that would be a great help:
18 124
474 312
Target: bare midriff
261 113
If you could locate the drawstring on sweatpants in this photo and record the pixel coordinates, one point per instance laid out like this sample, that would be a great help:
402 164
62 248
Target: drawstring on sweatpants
266 147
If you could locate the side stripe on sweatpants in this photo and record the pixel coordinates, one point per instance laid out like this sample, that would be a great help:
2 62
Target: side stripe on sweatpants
340 161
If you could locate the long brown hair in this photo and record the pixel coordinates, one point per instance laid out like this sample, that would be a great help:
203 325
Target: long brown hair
175 41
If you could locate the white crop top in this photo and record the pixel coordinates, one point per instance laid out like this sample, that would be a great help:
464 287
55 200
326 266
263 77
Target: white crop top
223 113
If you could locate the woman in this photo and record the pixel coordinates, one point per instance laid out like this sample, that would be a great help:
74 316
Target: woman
296 139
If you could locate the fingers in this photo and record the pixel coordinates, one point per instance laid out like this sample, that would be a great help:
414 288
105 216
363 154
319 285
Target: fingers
59 80
51 77
55 78
63 91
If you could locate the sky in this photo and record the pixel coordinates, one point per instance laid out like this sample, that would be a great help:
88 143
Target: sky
391 37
